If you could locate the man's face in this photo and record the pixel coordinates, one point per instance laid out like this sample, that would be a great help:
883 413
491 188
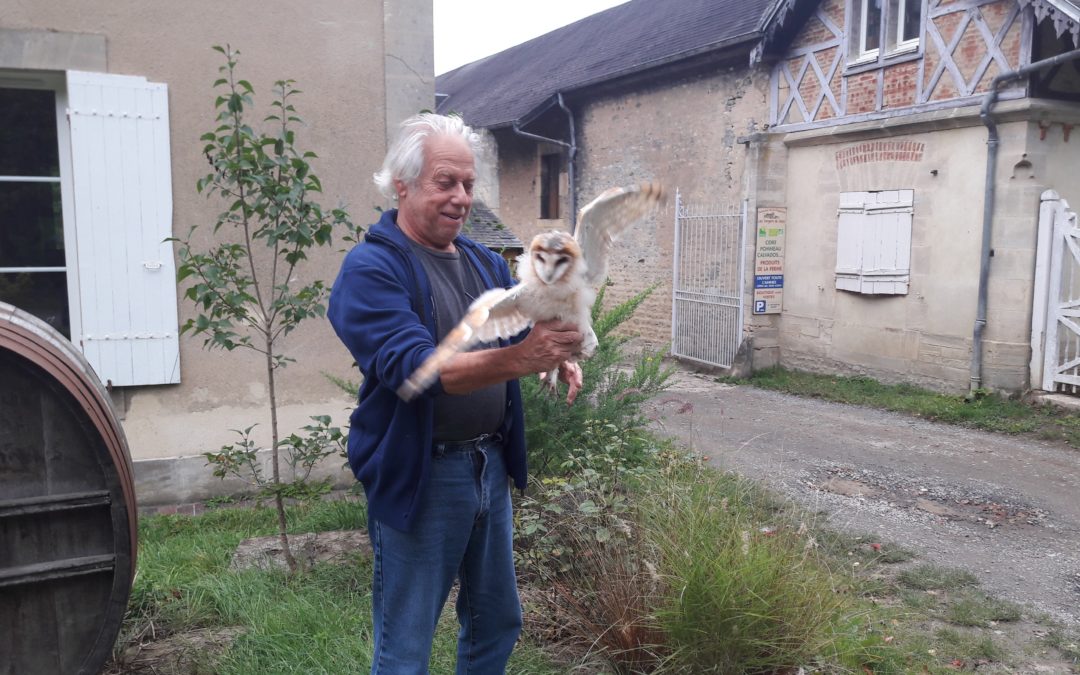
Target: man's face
432 211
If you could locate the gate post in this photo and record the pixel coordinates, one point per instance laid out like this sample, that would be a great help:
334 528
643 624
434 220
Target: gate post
675 270
1040 299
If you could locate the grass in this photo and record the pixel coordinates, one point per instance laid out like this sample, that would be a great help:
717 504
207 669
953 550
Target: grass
316 622
715 575
932 577
748 591
633 558
736 582
986 411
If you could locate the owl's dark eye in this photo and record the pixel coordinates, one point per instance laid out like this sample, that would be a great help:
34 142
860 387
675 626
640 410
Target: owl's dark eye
563 259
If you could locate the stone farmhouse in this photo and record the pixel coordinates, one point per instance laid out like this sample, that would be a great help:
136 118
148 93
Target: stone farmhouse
114 95
864 186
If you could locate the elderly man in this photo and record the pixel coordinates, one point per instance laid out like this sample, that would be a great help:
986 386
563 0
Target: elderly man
435 469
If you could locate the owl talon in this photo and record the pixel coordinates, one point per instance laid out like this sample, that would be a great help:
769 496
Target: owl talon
550 382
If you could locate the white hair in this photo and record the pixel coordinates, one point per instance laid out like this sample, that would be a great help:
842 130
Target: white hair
405 158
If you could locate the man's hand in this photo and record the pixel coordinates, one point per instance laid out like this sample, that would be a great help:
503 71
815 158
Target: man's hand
570 373
549 344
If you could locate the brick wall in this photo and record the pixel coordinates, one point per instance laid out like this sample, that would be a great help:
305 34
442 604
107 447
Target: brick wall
862 92
901 85
959 70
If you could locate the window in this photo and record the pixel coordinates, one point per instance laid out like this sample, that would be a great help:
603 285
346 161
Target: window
85 206
873 242
900 19
904 25
550 167
867 29
33 259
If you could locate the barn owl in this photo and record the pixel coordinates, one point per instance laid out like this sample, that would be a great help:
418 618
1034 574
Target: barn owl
559 277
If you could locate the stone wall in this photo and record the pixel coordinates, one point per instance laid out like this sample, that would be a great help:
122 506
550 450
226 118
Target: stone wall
922 337
361 70
682 133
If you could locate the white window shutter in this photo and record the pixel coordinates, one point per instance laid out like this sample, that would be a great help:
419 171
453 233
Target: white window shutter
122 180
873 249
849 240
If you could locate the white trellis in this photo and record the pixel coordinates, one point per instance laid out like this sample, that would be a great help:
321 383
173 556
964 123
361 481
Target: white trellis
707 307
1055 334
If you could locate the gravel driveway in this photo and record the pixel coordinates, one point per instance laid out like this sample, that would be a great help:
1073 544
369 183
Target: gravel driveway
1006 509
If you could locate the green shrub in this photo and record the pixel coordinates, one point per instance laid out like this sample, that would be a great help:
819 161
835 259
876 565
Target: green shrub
608 407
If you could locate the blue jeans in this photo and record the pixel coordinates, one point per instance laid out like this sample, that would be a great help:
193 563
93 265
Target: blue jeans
463 529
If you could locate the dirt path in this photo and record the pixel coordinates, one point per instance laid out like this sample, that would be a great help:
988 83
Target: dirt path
1003 508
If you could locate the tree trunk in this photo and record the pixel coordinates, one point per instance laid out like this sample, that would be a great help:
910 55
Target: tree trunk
279 501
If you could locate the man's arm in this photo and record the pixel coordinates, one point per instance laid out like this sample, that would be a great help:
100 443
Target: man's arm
547 345
371 310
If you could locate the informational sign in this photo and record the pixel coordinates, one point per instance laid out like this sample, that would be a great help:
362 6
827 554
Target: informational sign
769 260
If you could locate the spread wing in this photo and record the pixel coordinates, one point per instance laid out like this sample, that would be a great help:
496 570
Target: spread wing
605 217
495 314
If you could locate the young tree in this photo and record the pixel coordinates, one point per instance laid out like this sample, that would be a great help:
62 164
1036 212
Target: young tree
243 285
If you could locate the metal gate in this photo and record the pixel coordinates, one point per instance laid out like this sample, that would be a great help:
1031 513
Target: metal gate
707 307
1056 312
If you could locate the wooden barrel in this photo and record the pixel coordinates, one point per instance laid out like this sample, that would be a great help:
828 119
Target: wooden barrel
67 506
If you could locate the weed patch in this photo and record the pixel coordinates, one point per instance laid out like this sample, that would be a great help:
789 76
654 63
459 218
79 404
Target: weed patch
932 577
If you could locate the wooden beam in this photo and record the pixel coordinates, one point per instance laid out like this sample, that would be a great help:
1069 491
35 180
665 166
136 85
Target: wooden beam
56 569
52 503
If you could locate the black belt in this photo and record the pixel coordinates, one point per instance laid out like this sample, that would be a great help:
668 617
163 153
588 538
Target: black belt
444 447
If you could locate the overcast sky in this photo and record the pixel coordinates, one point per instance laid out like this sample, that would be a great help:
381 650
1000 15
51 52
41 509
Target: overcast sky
467 30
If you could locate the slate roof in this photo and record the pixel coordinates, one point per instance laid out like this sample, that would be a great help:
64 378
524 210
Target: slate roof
484 227
503 88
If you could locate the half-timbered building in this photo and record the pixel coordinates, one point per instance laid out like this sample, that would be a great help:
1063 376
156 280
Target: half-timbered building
912 242
876 230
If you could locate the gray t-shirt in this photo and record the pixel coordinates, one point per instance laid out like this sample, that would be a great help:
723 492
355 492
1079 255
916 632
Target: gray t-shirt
454 285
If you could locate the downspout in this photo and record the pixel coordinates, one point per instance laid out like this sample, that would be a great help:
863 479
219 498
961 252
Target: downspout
570 179
572 151
992 143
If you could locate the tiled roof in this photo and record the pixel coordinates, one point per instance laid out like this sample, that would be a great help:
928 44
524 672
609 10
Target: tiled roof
505 87
484 227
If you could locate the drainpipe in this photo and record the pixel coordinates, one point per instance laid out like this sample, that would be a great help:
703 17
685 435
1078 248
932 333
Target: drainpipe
989 193
572 150
570 179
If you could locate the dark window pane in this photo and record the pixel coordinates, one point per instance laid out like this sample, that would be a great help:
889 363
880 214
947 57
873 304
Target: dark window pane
31 225
28 145
873 24
550 166
912 16
43 294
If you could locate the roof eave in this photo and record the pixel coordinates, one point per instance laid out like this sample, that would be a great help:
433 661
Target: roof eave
1065 16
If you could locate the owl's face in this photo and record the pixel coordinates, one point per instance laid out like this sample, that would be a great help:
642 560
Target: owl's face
553 255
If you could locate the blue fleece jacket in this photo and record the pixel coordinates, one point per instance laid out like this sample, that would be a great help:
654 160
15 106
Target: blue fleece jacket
382 308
